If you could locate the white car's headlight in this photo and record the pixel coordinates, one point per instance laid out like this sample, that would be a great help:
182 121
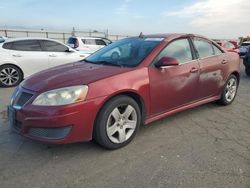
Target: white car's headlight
62 96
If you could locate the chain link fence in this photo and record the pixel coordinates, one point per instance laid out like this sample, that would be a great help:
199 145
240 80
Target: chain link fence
57 35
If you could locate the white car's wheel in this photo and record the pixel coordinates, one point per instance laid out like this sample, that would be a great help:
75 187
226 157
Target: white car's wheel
10 75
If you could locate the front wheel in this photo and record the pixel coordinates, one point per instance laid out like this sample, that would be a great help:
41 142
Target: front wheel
117 122
10 75
229 91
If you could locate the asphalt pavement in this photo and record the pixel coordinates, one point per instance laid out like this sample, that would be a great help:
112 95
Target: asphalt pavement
208 146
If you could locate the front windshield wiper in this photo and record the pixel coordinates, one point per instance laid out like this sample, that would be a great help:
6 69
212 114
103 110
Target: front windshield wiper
109 63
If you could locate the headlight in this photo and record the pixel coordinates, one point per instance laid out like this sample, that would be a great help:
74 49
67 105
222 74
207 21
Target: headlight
62 96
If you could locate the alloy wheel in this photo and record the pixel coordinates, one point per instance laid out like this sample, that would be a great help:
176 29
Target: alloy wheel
9 76
121 123
231 89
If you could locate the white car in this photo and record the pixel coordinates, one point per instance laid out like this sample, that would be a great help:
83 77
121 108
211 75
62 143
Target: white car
2 39
87 45
23 57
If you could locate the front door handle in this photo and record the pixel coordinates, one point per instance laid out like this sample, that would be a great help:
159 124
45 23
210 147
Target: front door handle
224 62
193 70
17 55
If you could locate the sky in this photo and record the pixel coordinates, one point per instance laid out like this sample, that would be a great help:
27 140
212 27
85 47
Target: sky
212 18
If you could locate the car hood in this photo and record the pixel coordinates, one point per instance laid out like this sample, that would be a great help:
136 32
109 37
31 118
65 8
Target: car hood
78 73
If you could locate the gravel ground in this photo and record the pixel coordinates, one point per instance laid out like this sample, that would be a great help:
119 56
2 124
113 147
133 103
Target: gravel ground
208 146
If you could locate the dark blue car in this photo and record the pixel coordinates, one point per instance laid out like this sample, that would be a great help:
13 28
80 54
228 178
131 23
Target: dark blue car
246 61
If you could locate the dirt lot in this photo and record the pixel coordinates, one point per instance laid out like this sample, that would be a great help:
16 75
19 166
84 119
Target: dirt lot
208 146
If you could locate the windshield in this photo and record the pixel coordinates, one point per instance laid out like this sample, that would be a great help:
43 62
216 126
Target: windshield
2 39
127 52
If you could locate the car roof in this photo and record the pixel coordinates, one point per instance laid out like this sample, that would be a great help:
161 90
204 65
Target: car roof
28 38
88 37
172 35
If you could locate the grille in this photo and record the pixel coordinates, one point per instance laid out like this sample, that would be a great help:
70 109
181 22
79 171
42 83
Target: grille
50 133
20 97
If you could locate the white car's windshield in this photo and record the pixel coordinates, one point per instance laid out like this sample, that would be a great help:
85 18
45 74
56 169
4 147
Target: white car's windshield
127 52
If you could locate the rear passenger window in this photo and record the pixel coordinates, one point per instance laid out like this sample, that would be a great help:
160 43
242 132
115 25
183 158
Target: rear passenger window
52 46
89 41
100 42
178 49
217 51
27 45
203 47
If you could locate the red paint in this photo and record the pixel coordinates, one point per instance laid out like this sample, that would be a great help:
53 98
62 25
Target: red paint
164 91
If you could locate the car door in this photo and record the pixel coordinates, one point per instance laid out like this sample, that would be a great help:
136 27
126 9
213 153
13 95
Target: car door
212 65
59 54
174 86
28 54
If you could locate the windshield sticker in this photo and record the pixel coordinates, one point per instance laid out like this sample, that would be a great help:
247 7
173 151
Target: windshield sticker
154 39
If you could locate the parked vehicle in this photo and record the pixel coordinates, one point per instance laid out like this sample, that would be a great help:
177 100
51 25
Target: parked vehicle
246 61
229 46
2 39
107 97
244 47
88 45
23 57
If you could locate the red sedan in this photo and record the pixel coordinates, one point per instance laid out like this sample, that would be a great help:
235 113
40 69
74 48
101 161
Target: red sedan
131 82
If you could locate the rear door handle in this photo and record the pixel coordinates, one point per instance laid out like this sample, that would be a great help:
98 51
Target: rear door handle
52 55
193 70
224 61
17 55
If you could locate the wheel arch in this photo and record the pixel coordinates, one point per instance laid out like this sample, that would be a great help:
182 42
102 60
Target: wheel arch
237 74
132 94
15 66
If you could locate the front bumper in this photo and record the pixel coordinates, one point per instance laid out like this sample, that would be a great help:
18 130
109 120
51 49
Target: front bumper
57 125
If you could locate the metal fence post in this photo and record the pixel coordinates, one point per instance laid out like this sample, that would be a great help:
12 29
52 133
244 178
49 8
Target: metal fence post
64 40
5 32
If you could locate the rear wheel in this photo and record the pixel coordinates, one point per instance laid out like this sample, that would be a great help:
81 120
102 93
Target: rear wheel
117 122
10 75
230 90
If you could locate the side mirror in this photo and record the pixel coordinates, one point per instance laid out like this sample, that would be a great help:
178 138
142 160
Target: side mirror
166 62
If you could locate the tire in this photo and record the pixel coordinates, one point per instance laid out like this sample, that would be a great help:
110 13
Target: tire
229 91
247 70
117 122
10 75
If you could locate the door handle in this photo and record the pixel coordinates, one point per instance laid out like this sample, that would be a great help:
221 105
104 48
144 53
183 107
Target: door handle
17 55
52 55
193 70
224 62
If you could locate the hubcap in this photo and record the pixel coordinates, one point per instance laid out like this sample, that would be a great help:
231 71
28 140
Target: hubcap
231 89
121 123
9 76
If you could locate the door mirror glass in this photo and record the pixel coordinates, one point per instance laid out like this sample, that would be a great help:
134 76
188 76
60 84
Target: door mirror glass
167 61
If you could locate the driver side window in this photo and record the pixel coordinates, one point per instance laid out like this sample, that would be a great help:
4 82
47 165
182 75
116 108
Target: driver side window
178 49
